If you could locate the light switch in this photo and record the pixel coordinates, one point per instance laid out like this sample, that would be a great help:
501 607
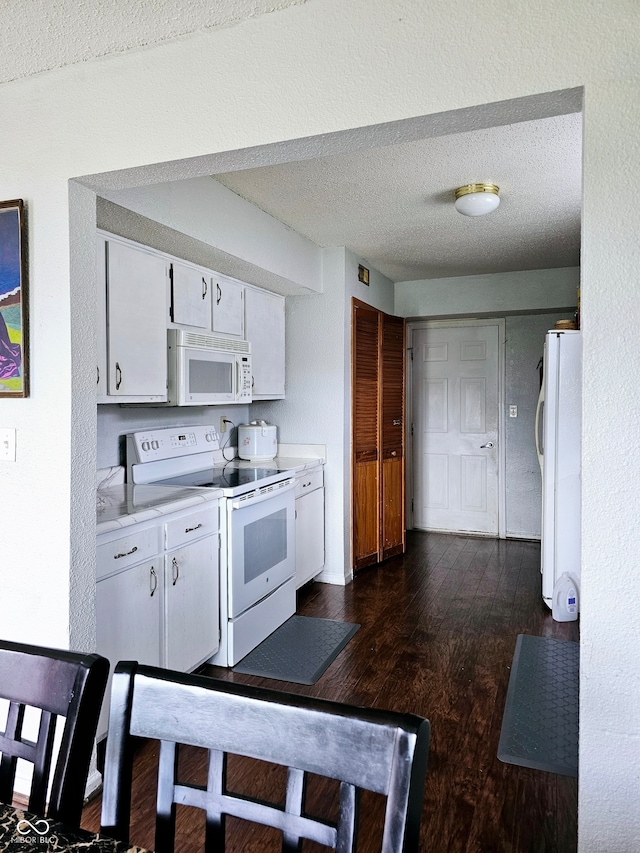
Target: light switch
7 445
513 411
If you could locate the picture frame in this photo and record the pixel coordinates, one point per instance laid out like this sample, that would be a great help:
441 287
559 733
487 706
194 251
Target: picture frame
14 328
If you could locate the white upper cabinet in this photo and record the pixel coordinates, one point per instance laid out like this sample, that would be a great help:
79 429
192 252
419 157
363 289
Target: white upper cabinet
264 328
136 302
190 296
143 292
227 302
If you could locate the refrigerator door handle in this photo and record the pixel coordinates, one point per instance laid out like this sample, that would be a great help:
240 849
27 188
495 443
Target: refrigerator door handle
538 428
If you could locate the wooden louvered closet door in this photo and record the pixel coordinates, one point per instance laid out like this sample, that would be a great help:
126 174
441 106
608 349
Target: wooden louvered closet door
378 435
392 440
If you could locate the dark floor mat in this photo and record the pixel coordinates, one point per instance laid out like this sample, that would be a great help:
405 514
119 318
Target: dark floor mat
299 650
540 722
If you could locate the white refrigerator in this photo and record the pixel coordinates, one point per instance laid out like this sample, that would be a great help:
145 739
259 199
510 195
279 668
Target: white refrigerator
558 442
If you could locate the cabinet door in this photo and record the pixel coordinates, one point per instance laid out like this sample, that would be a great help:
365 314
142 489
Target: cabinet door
227 300
191 625
309 536
137 323
264 329
190 296
128 620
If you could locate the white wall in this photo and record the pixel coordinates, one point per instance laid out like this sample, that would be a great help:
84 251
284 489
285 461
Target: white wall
610 604
489 295
316 69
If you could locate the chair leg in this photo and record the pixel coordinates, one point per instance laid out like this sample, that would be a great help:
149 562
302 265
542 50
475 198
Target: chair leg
216 786
166 808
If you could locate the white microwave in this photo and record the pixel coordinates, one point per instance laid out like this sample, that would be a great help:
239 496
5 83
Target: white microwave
206 370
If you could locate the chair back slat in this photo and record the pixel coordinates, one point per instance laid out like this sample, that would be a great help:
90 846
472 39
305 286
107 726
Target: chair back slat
58 683
380 751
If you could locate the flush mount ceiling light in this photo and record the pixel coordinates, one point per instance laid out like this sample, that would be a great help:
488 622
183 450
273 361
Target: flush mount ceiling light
477 199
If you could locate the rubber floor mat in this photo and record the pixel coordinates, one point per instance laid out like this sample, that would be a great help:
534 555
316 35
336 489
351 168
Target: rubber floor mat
300 650
540 721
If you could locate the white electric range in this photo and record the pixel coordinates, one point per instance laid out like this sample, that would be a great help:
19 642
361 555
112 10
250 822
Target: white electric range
257 524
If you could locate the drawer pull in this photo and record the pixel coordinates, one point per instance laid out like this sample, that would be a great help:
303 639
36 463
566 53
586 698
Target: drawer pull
175 571
304 485
153 581
125 553
191 529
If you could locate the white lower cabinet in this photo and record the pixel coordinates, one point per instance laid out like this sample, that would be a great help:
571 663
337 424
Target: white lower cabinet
191 590
309 525
128 611
157 593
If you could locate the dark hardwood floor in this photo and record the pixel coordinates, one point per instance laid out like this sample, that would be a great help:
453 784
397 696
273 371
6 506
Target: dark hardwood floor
438 632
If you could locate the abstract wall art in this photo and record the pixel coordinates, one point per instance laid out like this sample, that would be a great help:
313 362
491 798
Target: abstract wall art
14 337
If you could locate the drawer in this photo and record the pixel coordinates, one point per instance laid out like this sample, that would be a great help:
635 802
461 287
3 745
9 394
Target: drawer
189 527
118 554
307 481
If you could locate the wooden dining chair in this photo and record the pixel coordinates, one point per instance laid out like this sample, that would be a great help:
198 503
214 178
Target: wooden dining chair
58 683
365 749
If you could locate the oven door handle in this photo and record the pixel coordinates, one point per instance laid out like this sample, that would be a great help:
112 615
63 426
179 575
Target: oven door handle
257 497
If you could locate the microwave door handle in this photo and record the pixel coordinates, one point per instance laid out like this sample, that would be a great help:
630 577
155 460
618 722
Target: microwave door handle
238 388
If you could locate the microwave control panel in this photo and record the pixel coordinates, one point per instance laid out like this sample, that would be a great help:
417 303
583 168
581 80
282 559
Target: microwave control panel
244 392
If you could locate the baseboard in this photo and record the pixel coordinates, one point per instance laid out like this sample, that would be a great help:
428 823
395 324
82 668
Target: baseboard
333 578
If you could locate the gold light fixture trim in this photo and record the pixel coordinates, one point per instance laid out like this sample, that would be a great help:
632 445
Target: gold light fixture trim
477 188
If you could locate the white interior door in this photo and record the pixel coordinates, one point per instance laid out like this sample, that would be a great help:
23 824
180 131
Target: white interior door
456 405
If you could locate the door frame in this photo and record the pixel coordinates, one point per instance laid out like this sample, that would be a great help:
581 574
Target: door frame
501 456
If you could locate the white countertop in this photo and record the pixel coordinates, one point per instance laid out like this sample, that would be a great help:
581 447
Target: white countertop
124 505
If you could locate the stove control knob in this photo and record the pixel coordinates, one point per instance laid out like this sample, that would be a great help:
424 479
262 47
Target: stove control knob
145 445
154 445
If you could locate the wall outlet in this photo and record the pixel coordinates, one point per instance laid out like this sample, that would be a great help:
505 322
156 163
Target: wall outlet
513 411
223 425
7 445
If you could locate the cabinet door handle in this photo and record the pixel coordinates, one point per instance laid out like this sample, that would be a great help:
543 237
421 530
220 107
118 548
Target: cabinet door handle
175 571
304 485
118 376
394 452
153 581
125 553
205 288
191 529
98 380
219 294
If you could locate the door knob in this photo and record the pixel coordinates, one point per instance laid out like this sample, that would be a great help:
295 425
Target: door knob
488 444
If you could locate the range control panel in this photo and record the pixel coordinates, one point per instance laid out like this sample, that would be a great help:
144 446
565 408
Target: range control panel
171 443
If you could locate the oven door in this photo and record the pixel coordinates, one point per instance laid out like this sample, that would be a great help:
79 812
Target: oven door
261 544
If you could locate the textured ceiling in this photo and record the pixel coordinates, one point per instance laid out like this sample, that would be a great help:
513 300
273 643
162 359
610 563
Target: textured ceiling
38 35
393 205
